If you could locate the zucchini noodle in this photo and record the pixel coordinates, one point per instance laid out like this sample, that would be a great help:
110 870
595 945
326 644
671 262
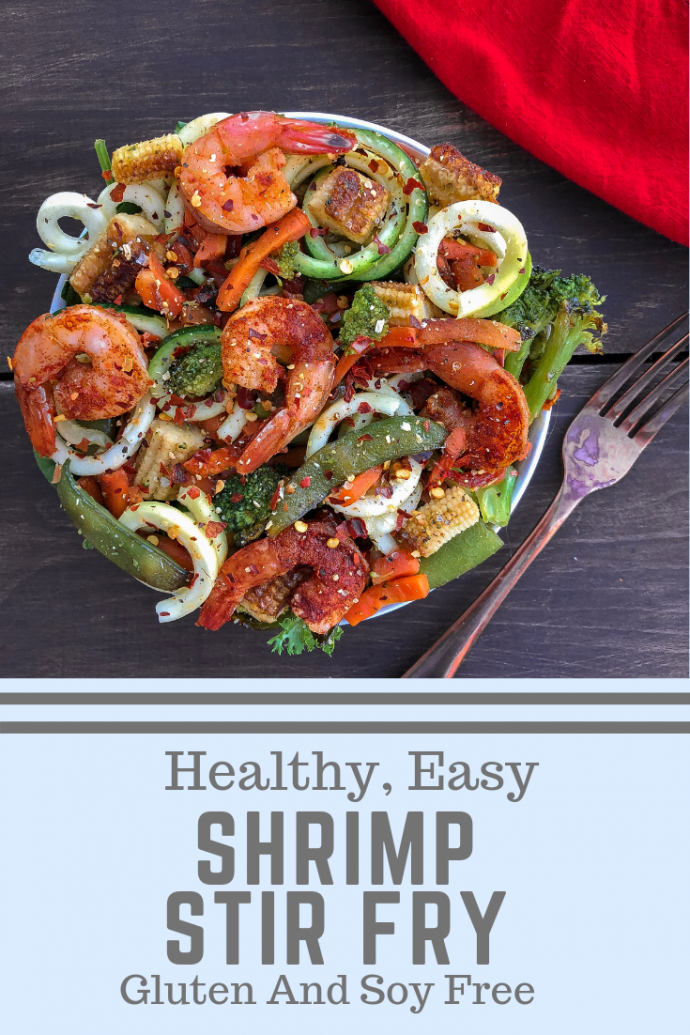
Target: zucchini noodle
398 232
65 250
201 549
150 202
386 402
508 241
202 511
118 454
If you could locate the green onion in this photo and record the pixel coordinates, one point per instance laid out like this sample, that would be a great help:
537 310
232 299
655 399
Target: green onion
104 159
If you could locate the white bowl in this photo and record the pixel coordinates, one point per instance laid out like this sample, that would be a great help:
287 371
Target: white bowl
539 428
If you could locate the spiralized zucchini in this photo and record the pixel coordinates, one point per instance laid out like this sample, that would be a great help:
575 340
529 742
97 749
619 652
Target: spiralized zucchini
119 453
507 239
387 402
397 233
200 548
65 250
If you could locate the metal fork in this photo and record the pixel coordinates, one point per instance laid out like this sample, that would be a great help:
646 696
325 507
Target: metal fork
600 446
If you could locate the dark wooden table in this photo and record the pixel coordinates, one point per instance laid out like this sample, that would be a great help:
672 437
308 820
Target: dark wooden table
608 597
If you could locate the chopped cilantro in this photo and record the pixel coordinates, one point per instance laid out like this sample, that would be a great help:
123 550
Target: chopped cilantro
296 636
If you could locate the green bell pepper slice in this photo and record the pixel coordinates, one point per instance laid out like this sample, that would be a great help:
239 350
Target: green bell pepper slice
101 530
353 453
465 551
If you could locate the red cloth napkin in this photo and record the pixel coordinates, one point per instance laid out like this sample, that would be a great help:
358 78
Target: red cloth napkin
595 88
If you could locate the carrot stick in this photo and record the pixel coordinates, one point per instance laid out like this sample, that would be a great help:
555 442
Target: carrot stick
290 228
211 249
114 486
394 566
414 587
350 492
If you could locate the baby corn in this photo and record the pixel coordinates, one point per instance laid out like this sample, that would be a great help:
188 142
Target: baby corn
170 444
122 232
439 521
148 160
450 177
404 301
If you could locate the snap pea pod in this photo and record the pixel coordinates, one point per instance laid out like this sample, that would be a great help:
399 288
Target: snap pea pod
186 337
130 552
465 551
355 452
495 500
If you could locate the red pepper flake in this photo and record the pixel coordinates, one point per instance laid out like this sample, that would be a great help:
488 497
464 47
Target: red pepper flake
523 270
342 532
384 490
214 528
209 403
427 425
194 493
269 264
107 174
219 396
179 475
365 438
349 421
411 185
382 248
228 205
504 295
237 496
421 228
491 278
349 387
135 507
316 231
194 579
358 530
163 470
191 411
305 483
246 398
164 614
374 165
328 475
486 228
361 344
118 193
118 300
150 524
180 416
146 492
364 407
176 400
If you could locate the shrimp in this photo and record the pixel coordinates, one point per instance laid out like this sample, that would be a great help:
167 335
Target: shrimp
246 343
109 383
231 175
491 436
338 575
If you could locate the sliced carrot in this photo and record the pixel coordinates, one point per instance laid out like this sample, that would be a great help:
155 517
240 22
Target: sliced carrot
466 273
350 492
157 291
290 228
91 486
399 338
212 249
344 364
398 591
458 250
394 566
114 486
471 328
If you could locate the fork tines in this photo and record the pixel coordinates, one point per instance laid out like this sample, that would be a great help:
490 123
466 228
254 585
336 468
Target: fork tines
645 405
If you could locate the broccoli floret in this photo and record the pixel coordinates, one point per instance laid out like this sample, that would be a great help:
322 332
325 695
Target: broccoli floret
197 373
554 315
367 317
285 260
245 502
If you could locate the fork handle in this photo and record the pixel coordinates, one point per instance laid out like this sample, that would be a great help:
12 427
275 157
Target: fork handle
442 660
